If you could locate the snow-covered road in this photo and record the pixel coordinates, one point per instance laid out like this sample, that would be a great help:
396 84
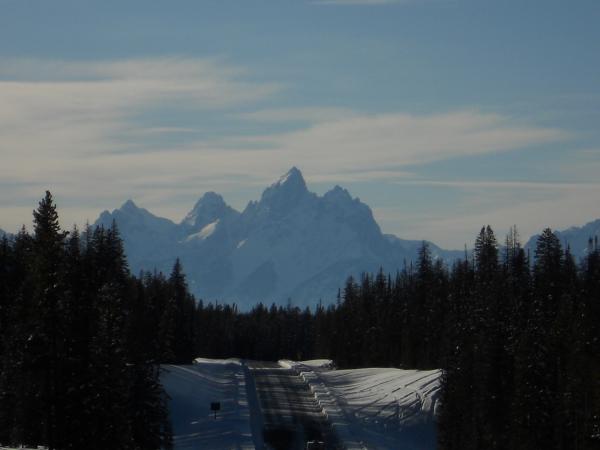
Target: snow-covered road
290 411
290 403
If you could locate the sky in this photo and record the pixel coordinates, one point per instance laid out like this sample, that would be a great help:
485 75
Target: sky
441 115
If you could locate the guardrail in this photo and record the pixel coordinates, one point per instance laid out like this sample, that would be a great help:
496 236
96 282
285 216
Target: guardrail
331 410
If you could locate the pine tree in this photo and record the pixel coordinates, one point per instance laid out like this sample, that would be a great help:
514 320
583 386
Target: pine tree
537 365
166 332
46 352
426 306
184 303
588 391
15 393
8 331
150 426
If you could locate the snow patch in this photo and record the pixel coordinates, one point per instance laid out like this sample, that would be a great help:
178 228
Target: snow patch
39 447
284 178
204 232
233 361
322 364
292 173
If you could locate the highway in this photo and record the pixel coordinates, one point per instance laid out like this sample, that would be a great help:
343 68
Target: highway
291 415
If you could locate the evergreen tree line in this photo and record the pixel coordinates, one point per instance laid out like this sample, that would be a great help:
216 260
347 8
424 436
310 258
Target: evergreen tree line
518 337
519 340
73 372
522 360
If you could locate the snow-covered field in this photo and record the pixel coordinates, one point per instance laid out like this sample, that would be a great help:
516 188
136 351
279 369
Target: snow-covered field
376 408
192 389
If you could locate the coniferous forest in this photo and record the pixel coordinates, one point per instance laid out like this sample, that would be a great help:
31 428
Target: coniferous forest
73 372
517 334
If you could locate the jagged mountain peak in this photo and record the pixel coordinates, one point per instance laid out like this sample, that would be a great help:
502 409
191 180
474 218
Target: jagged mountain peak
210 201
130 209
286 192
292 176
209 208
129 205
338 194
211 197
291 181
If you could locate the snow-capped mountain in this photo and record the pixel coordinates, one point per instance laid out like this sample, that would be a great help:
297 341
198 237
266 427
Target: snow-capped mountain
577 238
290 244
210 209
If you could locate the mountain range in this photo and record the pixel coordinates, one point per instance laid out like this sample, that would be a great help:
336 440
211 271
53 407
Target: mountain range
290 245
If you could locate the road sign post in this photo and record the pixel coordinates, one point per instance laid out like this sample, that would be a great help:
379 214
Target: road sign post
215 406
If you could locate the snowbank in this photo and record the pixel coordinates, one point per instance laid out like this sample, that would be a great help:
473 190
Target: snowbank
39 447
318 364
377 408
192 389
234 361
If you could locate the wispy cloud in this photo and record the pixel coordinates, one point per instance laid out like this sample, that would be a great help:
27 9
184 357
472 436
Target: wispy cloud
79 129
531 205
67 108
88 106
530 212
300 114
395 141
358 2
506 185
62 123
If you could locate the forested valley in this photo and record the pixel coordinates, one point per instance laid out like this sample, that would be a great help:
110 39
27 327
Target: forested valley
82 340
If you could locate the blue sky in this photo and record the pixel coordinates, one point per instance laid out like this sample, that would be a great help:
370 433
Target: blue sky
442 115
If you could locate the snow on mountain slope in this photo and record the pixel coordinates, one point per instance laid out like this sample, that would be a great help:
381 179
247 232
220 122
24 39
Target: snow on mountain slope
380 408
290 244
210 208
205 232
192 389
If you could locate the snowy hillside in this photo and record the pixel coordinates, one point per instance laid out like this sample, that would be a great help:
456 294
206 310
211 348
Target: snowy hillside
291 243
